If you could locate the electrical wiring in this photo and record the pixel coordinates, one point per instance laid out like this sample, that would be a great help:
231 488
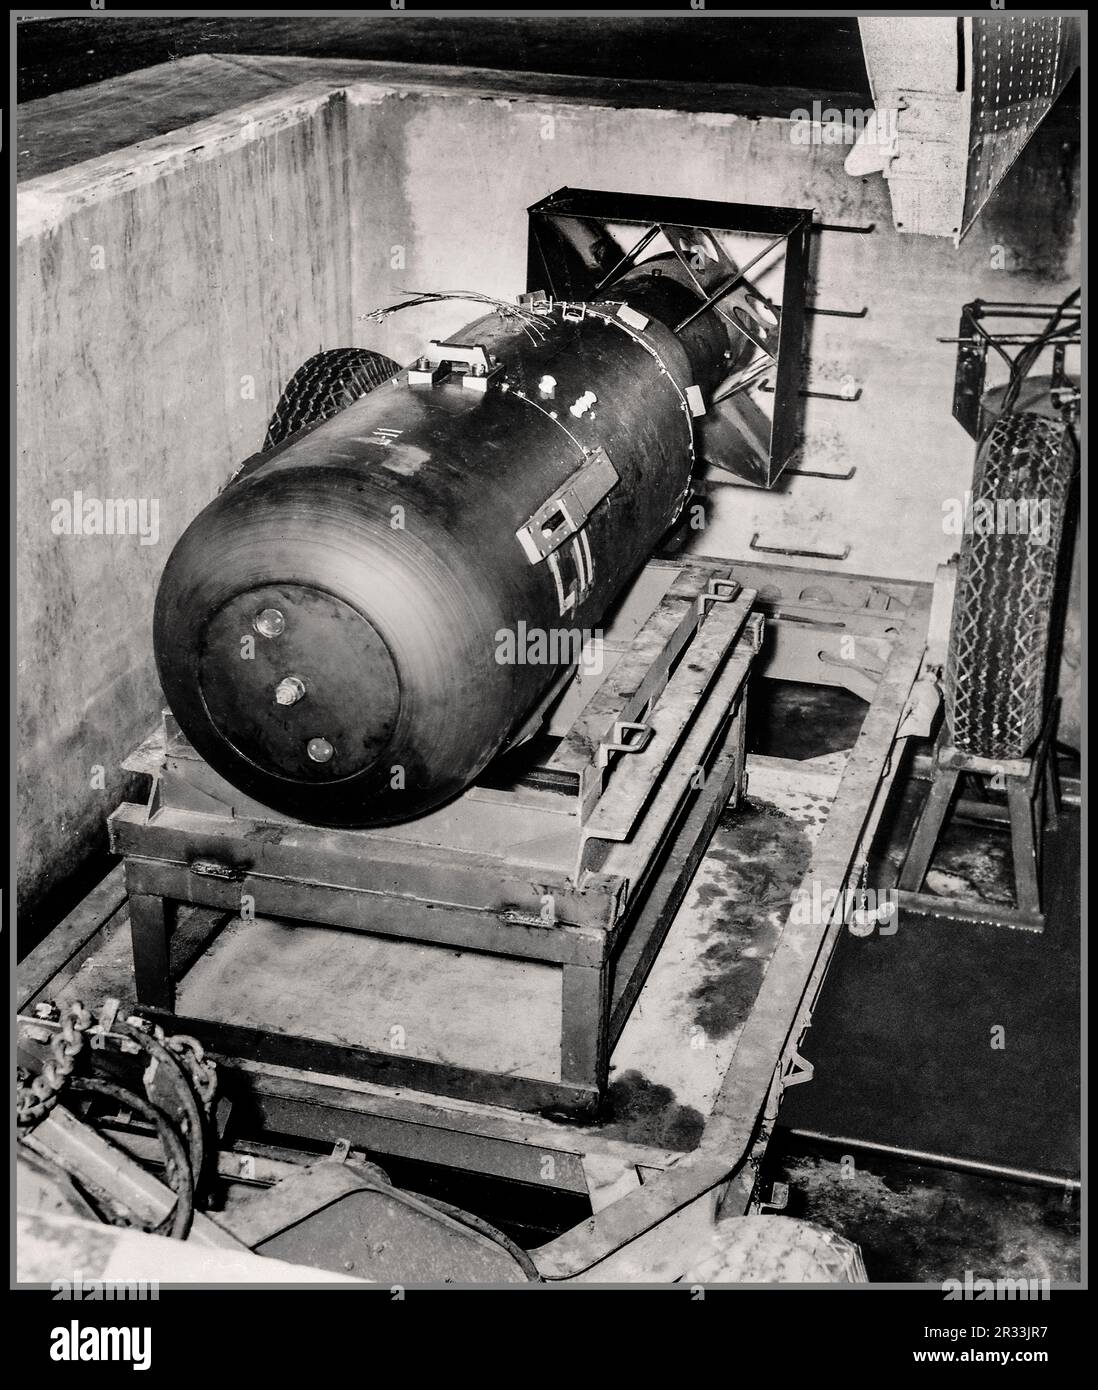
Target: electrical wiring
528 321
1024 362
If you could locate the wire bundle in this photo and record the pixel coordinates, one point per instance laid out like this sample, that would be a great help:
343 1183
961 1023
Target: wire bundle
1054 330
530 323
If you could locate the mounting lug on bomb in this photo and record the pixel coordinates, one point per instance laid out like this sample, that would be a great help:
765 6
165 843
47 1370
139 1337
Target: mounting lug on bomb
477 368
566 511
537 302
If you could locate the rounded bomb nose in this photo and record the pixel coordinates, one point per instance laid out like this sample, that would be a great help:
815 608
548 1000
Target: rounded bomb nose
312 656
312 696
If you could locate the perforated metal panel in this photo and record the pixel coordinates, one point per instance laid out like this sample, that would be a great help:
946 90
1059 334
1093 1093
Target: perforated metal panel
964 97
1019 66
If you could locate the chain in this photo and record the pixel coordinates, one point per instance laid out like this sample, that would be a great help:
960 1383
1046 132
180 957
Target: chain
193 1056
862 890
187 1050
35 1101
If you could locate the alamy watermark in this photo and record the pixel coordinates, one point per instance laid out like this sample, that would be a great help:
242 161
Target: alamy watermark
980 1290
554 646
831 125
80 515
91 1290
864 910
94 1343
999 516
74 1342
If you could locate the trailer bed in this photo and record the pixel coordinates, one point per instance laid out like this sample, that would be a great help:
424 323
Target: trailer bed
698 1071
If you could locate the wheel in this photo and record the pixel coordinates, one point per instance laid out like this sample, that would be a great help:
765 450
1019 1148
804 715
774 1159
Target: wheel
997 675
776 1250
323 386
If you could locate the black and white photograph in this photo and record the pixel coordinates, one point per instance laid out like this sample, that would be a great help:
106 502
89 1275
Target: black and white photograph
547 655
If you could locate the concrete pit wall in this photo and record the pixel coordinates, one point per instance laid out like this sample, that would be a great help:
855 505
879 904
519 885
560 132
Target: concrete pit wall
167 292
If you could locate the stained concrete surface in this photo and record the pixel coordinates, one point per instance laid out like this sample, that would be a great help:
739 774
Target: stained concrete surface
918 1224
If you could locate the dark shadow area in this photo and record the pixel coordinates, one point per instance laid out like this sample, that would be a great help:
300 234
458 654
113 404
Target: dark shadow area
950 1037
39 916
813 54
790 719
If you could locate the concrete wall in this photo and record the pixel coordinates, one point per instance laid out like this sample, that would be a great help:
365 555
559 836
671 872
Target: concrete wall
445 178
150 291
448 182
235 248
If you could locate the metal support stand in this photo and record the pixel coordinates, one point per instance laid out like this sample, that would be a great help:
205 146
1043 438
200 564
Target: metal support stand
578 862
1033 802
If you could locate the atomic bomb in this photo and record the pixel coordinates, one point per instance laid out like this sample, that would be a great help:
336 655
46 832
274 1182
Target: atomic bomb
329 630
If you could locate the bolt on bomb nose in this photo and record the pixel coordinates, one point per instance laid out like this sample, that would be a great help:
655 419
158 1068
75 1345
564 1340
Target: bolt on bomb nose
270 623
289 690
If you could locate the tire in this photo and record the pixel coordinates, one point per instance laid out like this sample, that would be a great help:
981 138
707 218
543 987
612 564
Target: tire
776 1250
323 386
997 676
